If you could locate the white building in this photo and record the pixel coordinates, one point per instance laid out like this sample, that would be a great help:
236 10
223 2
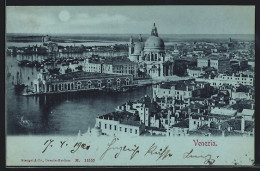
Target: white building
195 72
234 80
120 123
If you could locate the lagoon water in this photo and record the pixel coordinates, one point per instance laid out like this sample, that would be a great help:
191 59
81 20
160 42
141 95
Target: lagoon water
57 114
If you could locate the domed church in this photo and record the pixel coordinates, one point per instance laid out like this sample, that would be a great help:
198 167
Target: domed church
150 55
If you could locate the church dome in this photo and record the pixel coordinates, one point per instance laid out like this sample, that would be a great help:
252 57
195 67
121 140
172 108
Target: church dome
154 42
138 48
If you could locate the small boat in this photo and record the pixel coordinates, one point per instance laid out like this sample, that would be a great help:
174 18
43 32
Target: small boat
19 86
25 123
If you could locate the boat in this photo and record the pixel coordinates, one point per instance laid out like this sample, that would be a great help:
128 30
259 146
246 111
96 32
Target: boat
19 86
25 123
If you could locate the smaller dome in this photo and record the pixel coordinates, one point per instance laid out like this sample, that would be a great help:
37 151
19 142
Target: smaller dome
154 42
138 48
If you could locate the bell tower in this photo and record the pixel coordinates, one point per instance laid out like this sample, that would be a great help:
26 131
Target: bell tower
131 46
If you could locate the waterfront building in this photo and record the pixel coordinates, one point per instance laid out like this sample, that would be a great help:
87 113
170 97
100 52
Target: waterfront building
111 67
77 81
150 55
180 90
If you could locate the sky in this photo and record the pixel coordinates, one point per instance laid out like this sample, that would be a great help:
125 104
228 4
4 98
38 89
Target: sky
131 19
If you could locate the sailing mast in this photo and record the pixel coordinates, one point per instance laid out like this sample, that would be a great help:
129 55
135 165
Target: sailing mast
20 76
17 78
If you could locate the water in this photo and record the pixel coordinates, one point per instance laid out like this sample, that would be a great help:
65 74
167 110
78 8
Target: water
58 114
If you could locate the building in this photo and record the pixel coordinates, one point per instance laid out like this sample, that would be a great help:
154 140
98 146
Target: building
234 80
92 66
221 64
150 55
77 81
120 123
203 62
111 67
146 109
179 89
195 72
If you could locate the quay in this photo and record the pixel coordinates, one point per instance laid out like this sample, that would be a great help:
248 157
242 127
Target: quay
80 81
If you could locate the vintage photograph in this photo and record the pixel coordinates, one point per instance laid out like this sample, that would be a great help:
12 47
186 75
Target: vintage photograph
131 72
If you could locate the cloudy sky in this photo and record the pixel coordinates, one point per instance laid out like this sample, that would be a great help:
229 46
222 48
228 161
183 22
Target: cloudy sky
131 19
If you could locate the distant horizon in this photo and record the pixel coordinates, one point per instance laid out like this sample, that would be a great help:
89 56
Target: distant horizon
223 19
125 37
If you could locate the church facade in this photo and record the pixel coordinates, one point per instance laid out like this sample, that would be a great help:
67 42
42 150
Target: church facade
150 55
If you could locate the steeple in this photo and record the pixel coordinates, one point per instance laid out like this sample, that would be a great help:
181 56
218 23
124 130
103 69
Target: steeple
140 38
154 31
131 40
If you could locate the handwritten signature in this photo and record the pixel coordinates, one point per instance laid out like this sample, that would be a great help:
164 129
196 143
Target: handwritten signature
208 157
163 153
111 146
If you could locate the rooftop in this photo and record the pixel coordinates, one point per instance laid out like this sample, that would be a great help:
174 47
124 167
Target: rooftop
85 75
182 124
223 111
123 117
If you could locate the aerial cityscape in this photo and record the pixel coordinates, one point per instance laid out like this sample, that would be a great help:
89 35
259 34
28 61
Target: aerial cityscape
147 84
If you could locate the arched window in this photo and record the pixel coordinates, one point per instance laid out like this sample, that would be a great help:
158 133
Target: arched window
109 82
99 83
79 84
118 82
127 81
89 84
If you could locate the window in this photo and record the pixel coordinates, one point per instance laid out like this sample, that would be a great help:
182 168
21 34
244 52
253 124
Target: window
105 126
125 129
194 122
130 130
115 127
120 128
136 131
99 124
99 83
110 127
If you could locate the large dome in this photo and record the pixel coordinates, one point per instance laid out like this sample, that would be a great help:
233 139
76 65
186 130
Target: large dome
154 42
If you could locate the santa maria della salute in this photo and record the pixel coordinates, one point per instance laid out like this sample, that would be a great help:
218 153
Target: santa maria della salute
150 55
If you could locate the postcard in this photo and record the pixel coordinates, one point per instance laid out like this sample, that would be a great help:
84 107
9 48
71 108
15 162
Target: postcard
168 85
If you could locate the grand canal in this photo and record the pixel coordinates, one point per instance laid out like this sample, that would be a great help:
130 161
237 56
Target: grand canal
57 114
